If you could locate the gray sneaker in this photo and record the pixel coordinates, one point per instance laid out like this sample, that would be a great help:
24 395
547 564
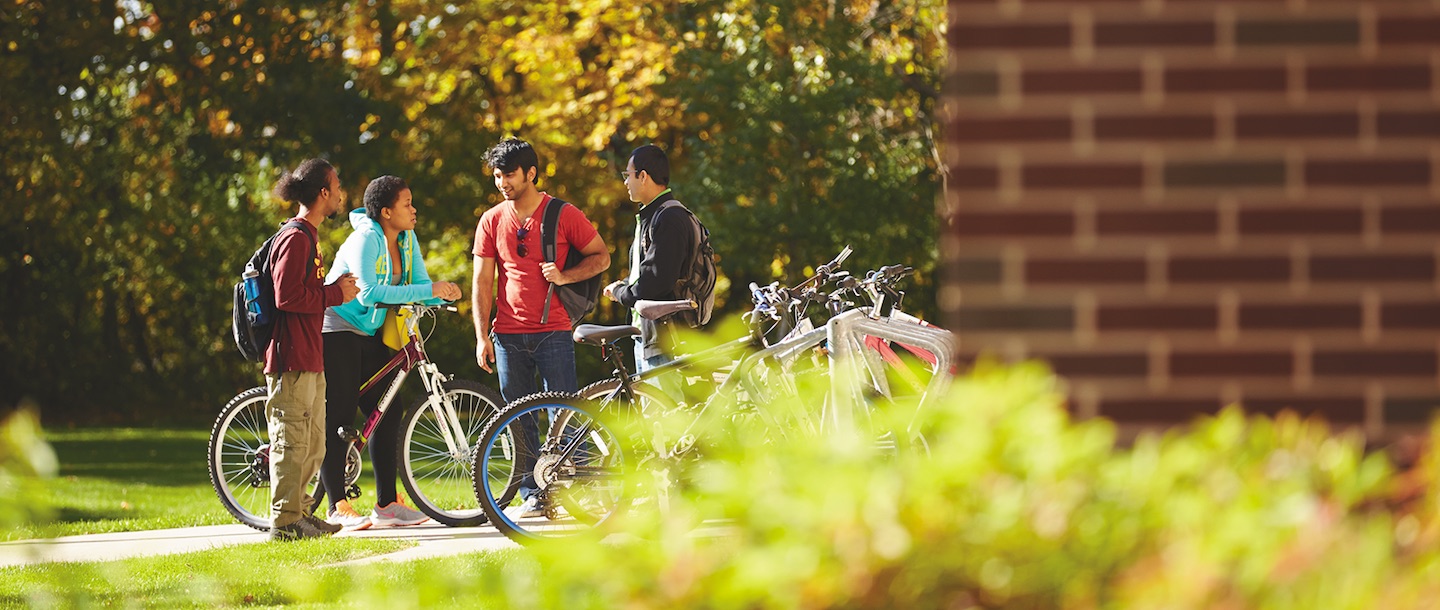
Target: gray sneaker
321 524
397 515
296 531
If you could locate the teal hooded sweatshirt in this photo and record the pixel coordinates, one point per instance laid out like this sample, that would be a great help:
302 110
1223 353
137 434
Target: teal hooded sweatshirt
364 254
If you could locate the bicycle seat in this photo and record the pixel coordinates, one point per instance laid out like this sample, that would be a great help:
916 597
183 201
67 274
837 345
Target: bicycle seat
594 334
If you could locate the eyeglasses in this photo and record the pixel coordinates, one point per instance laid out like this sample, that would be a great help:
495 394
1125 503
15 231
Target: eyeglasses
520 240
624 175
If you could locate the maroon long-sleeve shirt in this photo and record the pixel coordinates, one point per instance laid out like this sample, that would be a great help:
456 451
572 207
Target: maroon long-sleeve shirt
302 296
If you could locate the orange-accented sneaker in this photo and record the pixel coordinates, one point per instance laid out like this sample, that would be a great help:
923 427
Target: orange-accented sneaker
346 517
397 514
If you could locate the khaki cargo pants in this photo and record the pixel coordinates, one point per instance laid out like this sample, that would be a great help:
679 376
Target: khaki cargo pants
296 417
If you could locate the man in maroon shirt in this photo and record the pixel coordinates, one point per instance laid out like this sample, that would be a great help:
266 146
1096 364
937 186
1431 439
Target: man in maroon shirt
294 360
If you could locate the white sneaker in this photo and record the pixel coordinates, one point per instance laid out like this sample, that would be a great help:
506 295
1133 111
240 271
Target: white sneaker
531 507
397 514
347 518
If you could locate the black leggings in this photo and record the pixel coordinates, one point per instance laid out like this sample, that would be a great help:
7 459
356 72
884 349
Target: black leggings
350 360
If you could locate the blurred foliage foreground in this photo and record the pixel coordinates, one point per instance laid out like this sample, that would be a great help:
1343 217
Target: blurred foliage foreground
1014 507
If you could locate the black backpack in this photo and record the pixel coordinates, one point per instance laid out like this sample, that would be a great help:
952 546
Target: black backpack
697 282
253 324
580 297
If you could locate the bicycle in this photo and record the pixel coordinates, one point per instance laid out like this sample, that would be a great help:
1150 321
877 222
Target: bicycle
438 436
578 468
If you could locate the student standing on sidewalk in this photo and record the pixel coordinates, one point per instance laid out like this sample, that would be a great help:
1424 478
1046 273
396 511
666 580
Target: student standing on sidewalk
294 360
389 267
507 245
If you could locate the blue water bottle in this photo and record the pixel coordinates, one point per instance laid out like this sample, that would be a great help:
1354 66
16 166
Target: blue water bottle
251 279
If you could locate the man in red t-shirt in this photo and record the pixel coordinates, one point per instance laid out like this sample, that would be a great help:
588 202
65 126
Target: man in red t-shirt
518 343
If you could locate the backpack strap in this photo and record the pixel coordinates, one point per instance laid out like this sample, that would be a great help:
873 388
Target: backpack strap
548 227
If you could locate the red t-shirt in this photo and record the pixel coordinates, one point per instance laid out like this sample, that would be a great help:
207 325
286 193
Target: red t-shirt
521 295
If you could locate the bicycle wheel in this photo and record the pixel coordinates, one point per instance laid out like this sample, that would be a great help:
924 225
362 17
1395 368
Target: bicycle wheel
576 473
436 471
239 460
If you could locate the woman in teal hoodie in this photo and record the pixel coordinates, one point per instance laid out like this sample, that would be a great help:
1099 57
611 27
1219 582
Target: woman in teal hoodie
385 258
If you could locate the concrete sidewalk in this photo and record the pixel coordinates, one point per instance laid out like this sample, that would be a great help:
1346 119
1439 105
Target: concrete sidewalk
433 540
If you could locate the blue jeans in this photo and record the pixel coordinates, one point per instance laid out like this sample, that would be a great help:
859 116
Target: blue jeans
642 363
518 357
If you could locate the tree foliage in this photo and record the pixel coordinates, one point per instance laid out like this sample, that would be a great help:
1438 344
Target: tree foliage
142 139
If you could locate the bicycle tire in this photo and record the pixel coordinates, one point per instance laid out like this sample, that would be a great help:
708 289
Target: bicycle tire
239 462
589 483
437 479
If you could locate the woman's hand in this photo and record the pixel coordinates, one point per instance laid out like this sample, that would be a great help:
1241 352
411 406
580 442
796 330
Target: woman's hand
445 290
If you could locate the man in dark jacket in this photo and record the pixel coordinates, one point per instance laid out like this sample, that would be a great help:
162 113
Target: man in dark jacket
295 358
664 241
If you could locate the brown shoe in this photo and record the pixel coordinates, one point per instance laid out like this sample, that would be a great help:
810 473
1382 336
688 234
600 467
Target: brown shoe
321 524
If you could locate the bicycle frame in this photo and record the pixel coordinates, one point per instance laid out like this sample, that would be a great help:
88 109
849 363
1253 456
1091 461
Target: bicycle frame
412 355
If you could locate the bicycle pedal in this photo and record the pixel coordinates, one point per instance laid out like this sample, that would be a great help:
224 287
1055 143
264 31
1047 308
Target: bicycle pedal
348 435
353 492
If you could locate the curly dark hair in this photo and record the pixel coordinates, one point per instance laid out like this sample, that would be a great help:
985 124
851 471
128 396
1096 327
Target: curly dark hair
511 154
382 193
305 183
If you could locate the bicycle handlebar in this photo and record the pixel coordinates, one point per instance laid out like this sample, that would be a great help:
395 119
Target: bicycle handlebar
450 306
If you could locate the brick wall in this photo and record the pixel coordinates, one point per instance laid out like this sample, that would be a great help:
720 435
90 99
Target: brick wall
1186 203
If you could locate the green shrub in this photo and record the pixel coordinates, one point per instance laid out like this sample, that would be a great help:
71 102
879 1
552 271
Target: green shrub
25 460
1014 506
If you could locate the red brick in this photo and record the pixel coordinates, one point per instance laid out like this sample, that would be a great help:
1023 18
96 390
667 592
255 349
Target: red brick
1225 174
1156 317
1154 34
1159 410
1419 219
1305 316
1016 318
1410 29
1411 409
1231 364
1229 269
1293 125
1225 80
1344 409
974 177
1174 127
1083 175
1157 223
1424 124
1010 130
1413 268
1115 271
1013 224
1415 77
1410 315
1301 222
1390 363
1099 365
1081 81
1365 172
1025 36
1297 32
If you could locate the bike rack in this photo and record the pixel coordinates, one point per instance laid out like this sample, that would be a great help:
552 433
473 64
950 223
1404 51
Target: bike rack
845 332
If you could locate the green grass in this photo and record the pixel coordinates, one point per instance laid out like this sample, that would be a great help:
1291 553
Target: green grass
127 480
